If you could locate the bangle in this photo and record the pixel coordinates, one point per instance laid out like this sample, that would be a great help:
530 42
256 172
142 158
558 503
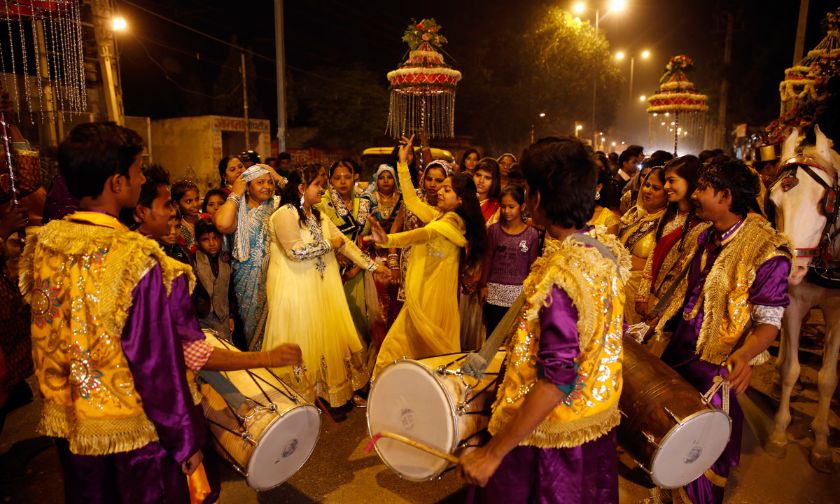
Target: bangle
234 197
393 254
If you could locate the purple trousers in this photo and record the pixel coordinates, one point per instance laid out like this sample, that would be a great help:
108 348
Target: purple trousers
145 475
585 474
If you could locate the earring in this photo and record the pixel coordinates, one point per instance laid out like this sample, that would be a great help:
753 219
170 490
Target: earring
597 195
301 201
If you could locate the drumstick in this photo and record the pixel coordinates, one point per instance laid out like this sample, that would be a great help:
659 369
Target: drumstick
410 442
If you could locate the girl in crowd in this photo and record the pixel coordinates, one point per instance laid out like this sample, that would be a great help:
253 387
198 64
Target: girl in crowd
505 161
230 168
488 185
603 215
487 180
385 202
425 326
638 234
306 303
433 177
245 214
185 196
675 234
468 161
213 200
512 247
343 206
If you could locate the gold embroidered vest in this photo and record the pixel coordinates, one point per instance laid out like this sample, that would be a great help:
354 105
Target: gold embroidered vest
725 293
78 275
595 285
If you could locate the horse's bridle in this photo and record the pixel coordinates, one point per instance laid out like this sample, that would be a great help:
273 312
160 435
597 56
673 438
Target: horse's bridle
828 203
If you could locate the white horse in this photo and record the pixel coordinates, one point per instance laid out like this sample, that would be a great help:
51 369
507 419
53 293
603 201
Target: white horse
798 195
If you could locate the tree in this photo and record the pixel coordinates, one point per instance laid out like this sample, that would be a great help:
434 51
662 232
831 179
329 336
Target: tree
549 67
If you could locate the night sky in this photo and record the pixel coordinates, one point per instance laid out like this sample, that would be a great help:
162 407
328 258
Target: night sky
334 33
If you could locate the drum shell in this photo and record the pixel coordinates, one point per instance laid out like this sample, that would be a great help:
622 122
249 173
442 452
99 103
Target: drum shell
294 419
654 403
442 425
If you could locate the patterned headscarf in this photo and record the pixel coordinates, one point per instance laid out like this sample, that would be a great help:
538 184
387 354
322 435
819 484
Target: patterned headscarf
441 163
244 226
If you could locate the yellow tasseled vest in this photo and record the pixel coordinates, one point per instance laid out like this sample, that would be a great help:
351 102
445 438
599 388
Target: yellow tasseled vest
78 275
725 296
596 287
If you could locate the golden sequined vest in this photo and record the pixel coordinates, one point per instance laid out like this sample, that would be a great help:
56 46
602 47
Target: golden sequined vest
78 275
595 285
725 295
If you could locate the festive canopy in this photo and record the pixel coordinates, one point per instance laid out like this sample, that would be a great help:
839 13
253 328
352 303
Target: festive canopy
423 87
805 84
677 112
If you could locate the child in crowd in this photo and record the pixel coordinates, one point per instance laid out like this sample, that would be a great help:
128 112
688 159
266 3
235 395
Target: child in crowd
512 247
213 271
214 199
173 243
185 197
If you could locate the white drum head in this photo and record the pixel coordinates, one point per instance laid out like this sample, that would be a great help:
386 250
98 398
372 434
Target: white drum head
690 448
284 447
407 399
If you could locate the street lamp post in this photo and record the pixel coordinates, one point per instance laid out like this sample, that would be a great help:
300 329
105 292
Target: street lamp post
620 56
579 8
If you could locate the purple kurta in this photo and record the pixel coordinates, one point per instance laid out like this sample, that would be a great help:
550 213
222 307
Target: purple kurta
768 289
585 474
151 341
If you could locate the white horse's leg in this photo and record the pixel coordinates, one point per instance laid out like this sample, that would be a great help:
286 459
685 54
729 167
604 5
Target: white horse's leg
791 325
827 381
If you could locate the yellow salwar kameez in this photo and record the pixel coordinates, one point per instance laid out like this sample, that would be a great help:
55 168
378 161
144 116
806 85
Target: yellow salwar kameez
638 235
428 323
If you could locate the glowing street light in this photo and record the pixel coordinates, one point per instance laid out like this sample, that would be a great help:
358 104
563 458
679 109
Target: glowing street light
619 56
617 5
645 54
579 7
542 114
119 24
642 98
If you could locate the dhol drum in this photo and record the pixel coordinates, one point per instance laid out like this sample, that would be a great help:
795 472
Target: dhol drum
258 423
430 401
666 426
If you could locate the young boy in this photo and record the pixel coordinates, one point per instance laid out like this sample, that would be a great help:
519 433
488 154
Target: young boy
212 295
553 422
104 301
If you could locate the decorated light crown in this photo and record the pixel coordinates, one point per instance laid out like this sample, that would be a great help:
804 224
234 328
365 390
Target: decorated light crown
423 87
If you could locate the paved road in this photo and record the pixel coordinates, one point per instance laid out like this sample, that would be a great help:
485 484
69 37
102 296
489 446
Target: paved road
339 471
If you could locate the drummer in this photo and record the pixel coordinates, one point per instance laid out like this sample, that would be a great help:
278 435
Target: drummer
557 440
735 289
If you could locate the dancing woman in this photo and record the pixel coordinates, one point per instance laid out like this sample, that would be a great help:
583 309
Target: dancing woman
425 326
246 215
306 303
637 234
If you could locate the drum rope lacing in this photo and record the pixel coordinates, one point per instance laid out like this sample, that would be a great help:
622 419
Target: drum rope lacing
718 384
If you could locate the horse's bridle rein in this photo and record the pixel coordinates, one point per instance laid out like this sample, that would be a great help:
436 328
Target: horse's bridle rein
827 204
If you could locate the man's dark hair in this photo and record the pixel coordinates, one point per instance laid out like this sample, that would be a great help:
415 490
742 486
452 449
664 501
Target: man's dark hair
94 152
564 174
724 173
156 176
659 158
250 155
706 155
284 156
625 156
635 150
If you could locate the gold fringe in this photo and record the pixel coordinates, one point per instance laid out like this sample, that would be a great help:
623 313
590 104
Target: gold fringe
563 435
96 436
682 495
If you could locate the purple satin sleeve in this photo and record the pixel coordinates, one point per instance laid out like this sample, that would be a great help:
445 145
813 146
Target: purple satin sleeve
559 341
770 287
182 309
156 358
